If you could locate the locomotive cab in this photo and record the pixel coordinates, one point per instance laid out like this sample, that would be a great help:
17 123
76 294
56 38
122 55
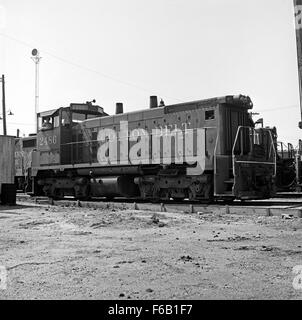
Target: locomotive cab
54 136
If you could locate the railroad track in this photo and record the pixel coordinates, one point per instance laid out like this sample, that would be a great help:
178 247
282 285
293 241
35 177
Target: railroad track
270 207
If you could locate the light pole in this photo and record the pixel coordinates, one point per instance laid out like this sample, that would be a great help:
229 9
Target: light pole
3 105
36 59
3 117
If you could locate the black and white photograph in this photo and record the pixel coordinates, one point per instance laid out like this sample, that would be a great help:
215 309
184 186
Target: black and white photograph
150 150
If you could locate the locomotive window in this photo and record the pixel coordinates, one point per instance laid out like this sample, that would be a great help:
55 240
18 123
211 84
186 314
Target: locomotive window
47 123
65 118
257 138
56 121
29 143
78 117
39 122
209 115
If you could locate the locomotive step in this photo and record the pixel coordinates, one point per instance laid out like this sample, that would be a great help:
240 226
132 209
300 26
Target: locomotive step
231 181
226 194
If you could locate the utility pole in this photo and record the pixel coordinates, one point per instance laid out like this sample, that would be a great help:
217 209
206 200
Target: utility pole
298 23
3 105
36 59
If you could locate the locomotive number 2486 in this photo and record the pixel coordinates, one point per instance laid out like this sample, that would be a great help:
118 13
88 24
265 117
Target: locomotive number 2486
47 140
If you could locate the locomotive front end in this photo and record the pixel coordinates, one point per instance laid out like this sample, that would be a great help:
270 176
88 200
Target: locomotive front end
245 161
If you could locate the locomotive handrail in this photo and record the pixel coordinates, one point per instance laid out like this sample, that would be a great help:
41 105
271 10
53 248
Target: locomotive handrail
236 138
256 162
275 152
215 153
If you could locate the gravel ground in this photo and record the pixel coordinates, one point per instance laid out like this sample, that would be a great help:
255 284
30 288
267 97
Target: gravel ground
53 252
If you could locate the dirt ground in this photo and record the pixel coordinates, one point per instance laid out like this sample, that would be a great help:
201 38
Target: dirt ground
53 252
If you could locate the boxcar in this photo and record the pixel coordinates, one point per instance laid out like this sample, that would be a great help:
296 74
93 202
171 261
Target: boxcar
7 170
24 146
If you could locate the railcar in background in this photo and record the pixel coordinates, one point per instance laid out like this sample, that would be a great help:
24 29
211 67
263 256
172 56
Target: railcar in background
24 146
7 170
287 161
286 167
286 164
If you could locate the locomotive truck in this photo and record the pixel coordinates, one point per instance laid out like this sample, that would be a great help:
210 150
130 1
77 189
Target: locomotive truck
199 150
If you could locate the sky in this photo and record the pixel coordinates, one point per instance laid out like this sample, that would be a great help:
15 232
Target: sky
125 51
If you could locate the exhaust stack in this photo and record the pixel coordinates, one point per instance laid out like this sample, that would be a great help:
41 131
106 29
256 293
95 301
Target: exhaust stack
119 109
153 102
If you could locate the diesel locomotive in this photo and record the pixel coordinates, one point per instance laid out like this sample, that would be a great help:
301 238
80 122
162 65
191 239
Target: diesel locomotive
198 150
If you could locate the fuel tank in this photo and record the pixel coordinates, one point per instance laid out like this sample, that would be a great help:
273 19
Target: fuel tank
117 186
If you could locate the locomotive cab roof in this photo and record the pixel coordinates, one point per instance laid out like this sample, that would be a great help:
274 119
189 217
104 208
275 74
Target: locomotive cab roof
85 108
48 113
234 100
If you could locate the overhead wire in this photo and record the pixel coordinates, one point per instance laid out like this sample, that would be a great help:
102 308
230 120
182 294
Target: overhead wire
279 108
88 69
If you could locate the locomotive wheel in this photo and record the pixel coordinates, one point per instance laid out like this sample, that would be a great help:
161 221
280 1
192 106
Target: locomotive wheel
191 195
85 197
230 201
179 199
84 194
57 195
164 194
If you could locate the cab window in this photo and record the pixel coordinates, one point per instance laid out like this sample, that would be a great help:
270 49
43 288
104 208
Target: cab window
65 118
47 123
78 117
56 121
209 115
